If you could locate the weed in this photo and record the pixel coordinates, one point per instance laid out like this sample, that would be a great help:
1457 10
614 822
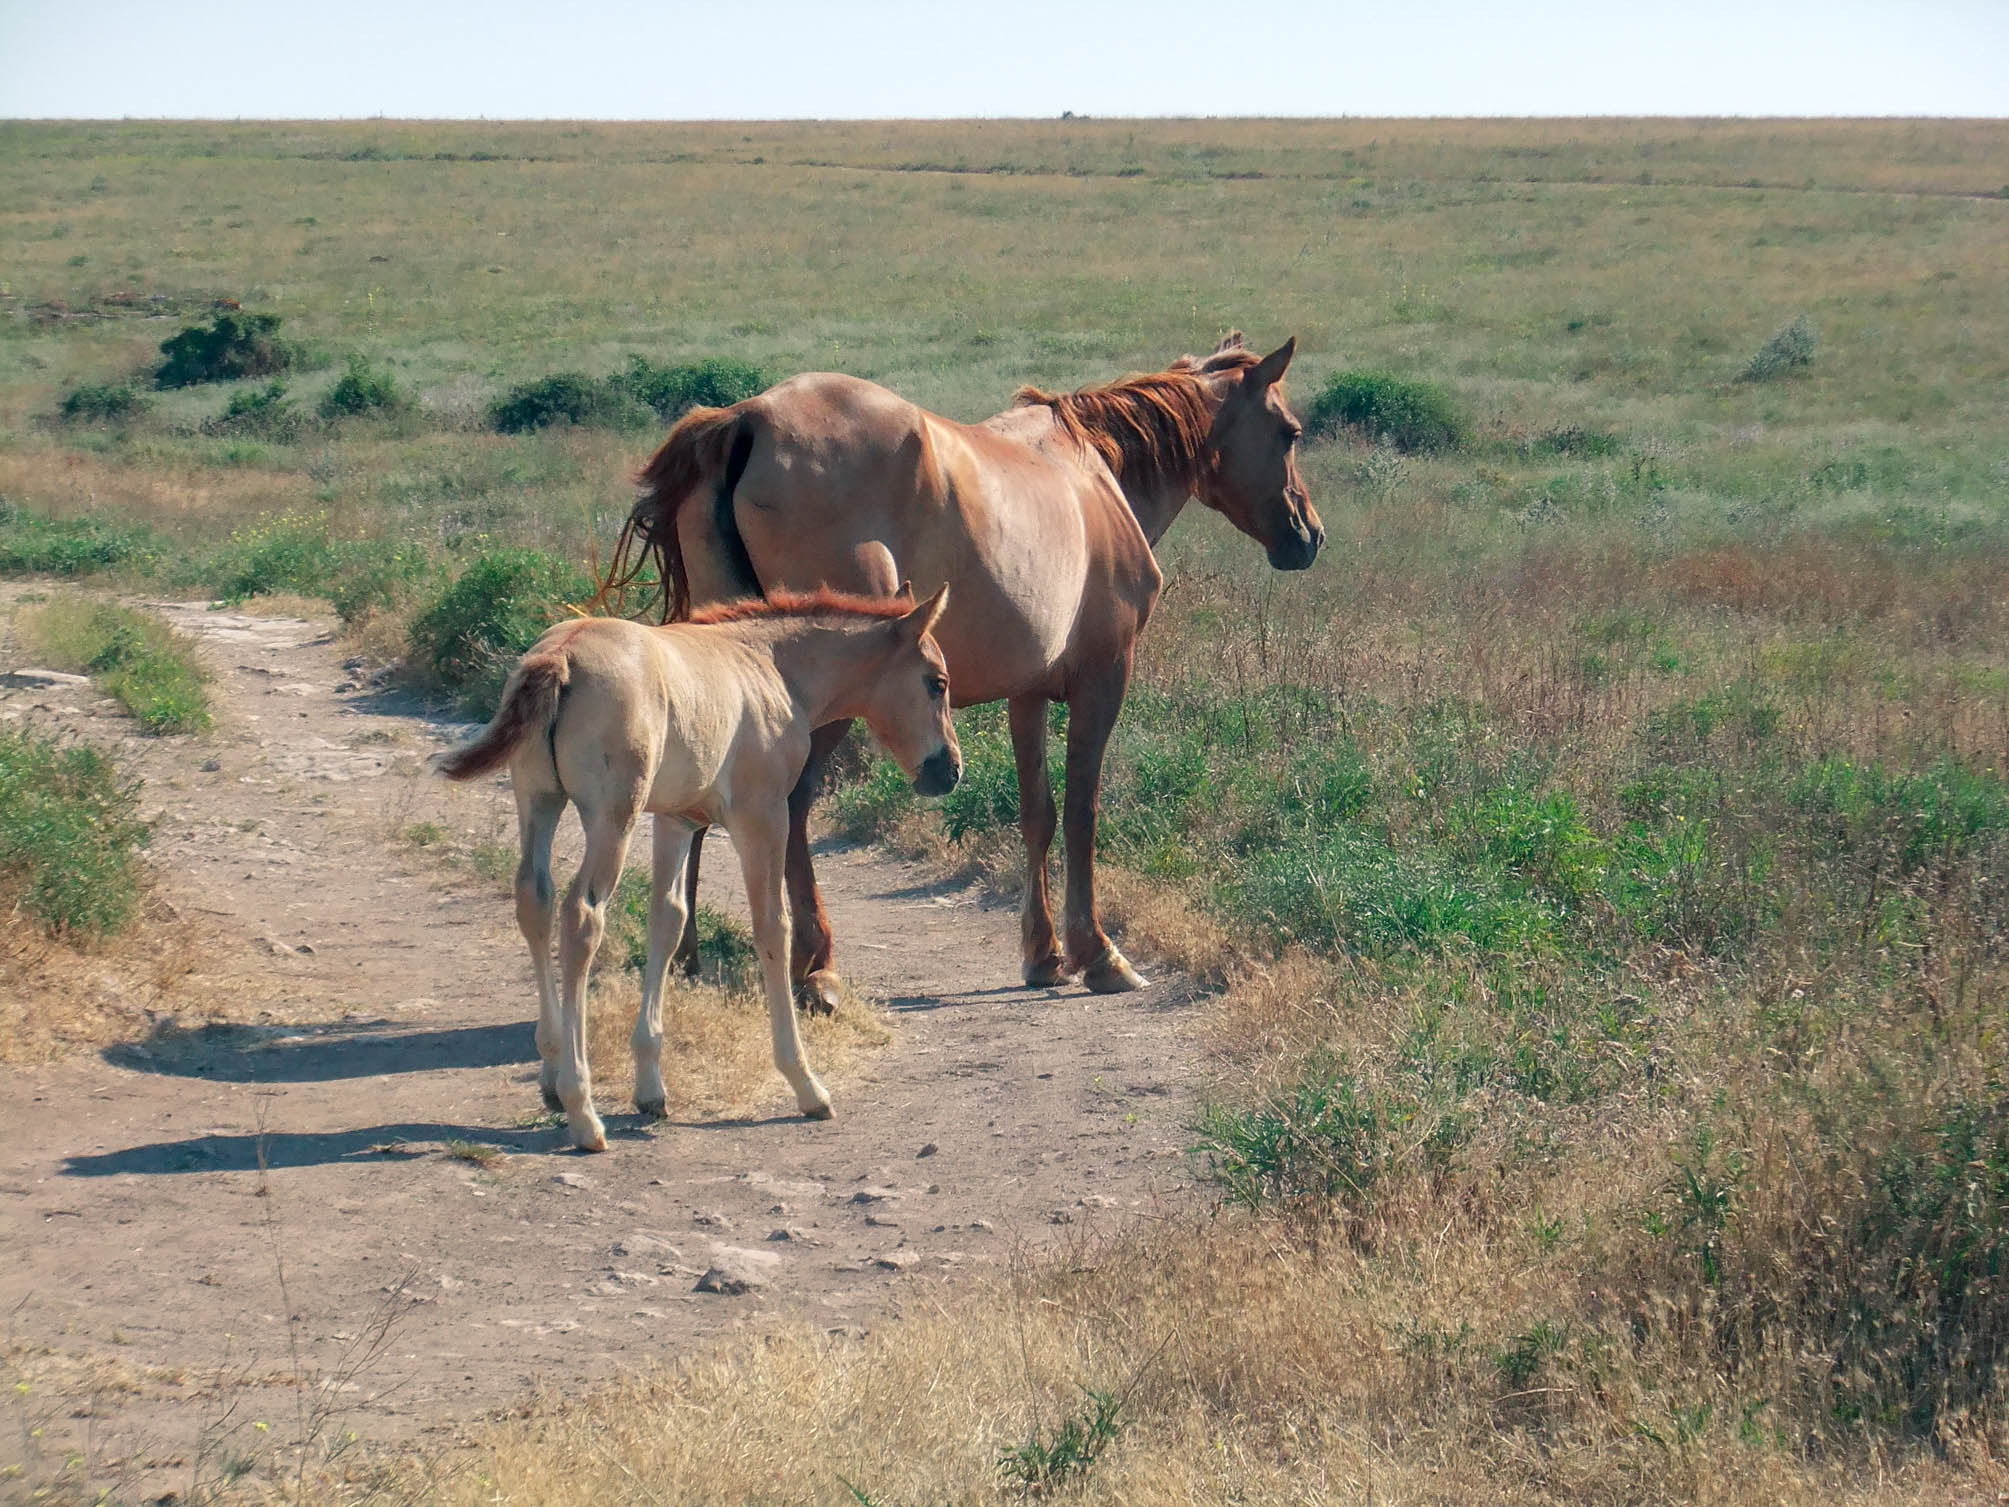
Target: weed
1789 350
474 1153
69 836
263 411
1325 1140
1045 1463
31 543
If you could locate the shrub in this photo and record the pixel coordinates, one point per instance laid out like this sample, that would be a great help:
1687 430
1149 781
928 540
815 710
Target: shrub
567 398
468 640
136 657
715 382
1409 415
70 546
263 411
1790 349
102 403
234 345
69 838
363 389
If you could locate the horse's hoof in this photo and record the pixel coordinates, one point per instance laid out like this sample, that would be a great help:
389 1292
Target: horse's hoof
1045 973
589 1137
1112 974
817 1112
818 994
652 1109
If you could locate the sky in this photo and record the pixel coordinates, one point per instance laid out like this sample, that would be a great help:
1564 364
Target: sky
783 59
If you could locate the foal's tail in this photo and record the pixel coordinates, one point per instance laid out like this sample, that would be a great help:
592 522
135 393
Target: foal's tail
529 703
708 444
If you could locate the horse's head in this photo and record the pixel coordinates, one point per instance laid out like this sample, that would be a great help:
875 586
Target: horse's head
907 704
1251 476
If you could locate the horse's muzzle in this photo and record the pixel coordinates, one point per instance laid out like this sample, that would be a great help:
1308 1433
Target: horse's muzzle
938 773
1297 549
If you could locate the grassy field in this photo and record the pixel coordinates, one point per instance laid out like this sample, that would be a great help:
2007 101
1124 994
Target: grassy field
1601 849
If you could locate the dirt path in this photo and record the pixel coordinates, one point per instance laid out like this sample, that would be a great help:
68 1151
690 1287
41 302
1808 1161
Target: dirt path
144 1243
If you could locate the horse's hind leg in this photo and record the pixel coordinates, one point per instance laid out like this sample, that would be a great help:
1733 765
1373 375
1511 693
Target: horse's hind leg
537 814
582 922
816 982
1091 717
666 926
1039 951
686 956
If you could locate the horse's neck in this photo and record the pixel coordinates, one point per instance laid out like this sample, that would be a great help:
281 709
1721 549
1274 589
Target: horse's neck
1155 509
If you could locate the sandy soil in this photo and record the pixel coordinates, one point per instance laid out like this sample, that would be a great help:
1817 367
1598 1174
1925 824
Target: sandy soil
169 1203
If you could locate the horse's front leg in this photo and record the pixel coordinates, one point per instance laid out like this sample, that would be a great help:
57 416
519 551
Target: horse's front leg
1091 716
666 927
1039 950
761 837
816 982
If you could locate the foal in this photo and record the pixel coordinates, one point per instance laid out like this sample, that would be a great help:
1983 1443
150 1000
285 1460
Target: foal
698 723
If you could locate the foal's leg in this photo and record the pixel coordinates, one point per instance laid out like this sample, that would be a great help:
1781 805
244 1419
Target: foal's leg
666 924
537 814
816 983
760 837
1039 952
581 925
1091 716
686 956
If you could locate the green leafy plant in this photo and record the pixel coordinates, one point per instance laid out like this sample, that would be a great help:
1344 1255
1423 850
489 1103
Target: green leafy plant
102 403
69 836
1410 415
714 382
1789 350
567 398
232 346
1046 1461
470 638
363 389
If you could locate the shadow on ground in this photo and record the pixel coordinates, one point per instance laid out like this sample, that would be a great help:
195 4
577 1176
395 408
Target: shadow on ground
321 1054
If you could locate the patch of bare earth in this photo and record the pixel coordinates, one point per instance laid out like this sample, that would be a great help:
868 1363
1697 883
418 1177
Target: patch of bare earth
341 1210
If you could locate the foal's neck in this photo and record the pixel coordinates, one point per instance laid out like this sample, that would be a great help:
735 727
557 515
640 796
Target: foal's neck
821 662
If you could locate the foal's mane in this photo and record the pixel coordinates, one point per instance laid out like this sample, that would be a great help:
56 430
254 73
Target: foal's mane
1152 427
803 604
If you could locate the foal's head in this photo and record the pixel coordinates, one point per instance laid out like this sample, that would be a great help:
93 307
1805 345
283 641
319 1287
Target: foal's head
907 703
1252 477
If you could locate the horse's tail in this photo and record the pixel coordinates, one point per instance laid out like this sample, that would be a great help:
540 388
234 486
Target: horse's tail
707 444
529 704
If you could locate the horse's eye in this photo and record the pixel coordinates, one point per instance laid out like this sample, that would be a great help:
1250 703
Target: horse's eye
937 685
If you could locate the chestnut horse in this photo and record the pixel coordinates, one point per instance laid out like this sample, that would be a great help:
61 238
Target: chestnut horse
1042 519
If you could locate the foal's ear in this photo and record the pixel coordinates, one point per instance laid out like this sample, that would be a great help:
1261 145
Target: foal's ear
1266 371
905 591
917 624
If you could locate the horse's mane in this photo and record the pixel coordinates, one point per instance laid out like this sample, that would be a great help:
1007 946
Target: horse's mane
822 602
1151 428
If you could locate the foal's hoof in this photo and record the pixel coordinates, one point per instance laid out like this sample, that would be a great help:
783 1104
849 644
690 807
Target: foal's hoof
551 1100
1112 974
1045 973
817 1112
818 994
591 1137
652 1109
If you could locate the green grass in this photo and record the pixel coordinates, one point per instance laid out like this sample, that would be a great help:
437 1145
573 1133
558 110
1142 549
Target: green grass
69 838
134 656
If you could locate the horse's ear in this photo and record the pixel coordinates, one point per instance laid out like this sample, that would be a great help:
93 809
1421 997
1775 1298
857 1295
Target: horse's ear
905 591
1232 341
1266 371
917 624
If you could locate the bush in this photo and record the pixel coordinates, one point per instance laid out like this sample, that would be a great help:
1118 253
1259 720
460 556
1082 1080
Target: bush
264 411
102 403
715 382
468 641
567 398
68 837
1411 416
235 345
71 546
1790 349
363 389
136 657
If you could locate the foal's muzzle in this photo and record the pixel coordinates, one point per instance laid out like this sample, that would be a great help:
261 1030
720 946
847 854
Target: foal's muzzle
938 773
